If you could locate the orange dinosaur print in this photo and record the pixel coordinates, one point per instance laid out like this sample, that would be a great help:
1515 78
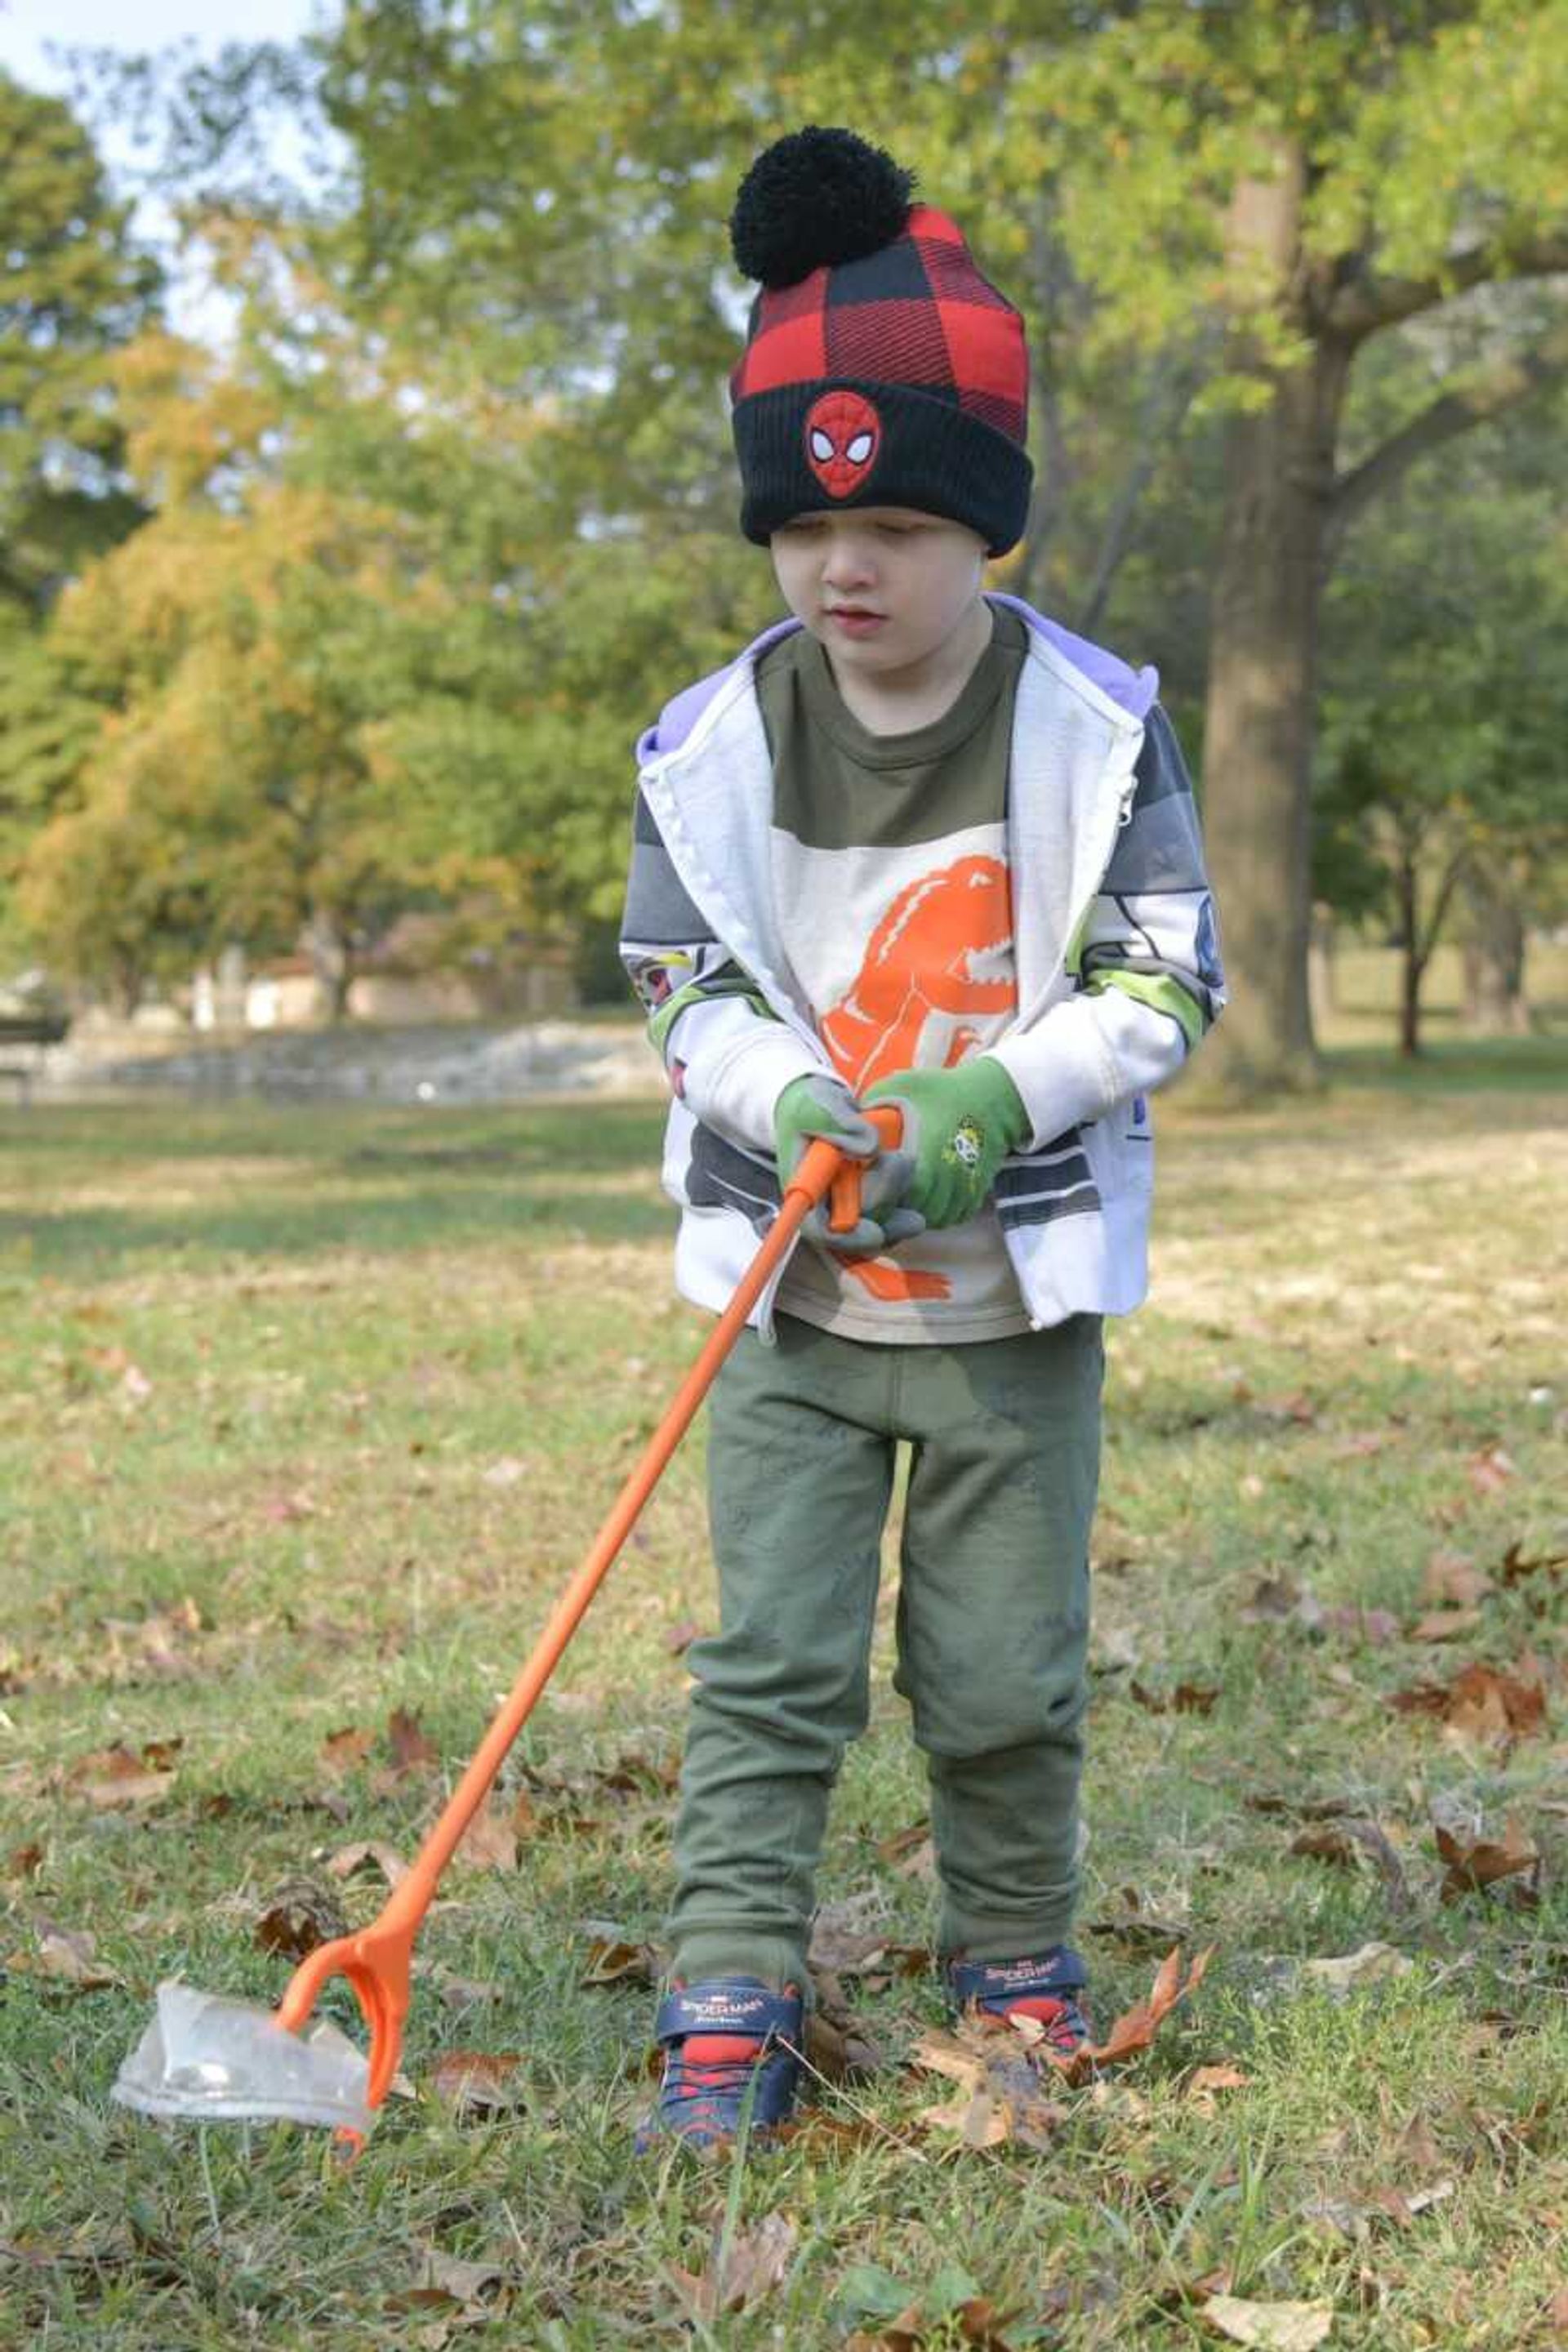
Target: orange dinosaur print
917 967
918 964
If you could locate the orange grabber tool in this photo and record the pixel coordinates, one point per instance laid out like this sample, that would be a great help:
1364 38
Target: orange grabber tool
378 1960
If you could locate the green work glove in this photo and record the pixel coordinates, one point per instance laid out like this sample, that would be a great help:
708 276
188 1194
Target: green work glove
815 1107
959 1127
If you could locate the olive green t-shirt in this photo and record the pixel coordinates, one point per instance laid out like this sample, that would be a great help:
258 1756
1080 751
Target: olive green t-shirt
891 885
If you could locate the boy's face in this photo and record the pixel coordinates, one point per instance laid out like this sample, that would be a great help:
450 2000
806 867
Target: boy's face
883 588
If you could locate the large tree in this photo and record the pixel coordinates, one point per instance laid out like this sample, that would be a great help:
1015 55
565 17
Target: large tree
1210 213
75 287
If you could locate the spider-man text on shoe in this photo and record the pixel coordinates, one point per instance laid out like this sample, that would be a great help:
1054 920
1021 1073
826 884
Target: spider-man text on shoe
731 2060
1044 1988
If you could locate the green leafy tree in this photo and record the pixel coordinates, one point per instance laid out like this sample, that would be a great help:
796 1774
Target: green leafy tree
231 786
75 288
1212 214
1446 637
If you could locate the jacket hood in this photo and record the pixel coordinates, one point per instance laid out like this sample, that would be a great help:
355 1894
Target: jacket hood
1133 690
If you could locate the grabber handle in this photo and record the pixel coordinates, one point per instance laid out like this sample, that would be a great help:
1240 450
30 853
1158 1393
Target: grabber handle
377 1960
844 1194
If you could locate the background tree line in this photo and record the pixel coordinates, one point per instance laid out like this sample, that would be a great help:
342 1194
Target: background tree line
365 613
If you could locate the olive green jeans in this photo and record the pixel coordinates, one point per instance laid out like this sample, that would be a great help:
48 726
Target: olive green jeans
993 1626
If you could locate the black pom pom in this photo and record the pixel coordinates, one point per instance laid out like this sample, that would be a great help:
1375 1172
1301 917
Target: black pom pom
814 199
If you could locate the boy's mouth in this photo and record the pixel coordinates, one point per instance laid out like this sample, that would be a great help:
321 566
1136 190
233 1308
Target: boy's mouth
855 620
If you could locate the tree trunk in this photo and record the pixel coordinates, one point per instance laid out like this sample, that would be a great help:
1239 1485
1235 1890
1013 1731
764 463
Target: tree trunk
331 962
127 982
1258 735
1495 1000
1412 962
1322 994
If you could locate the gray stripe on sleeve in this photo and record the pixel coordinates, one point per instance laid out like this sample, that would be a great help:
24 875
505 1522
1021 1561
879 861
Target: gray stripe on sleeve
1159 848
1041 1178
660 913
1082 1200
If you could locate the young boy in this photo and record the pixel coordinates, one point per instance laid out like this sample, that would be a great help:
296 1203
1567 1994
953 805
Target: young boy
916 844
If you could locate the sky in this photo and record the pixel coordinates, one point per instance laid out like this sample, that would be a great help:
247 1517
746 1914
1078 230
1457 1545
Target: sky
27 29
33 32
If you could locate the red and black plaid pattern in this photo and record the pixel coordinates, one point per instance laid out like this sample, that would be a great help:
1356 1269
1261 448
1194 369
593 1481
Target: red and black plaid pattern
918 330
918 312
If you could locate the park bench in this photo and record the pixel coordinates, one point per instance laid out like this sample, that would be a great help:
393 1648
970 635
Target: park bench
37 1027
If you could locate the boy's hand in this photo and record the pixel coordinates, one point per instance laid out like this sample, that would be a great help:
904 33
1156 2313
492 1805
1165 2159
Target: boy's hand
823 1106
959 1127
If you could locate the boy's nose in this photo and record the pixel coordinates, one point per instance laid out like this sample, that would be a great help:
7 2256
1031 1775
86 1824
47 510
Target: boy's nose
847 564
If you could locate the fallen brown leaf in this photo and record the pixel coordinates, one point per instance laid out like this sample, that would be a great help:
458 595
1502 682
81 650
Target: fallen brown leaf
1002 2096
1344 1837
1135 1927
1490 1470
1203 2083
1416 2146
299 1917
1479 1703
1375 1627
469 2283
980 2117
1475 1864
1135 2029
614 1961
491 1840
22 1861
410 1750
904 1842
1270 2327
1452 1579
1329 1841
112 1779
69 1957
1186 1699
372 1854
1346 1973
1403 2206
1445 1625
1274 1599
341 1751
477 2082
976 2325
836 2049
1515 1567
742 2270
459 1992
1298 1407
680 1638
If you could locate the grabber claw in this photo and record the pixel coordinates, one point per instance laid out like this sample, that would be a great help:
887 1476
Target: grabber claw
205 2057
377 1964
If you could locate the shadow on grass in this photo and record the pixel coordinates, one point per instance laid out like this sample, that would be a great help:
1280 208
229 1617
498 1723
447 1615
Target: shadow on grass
392 1182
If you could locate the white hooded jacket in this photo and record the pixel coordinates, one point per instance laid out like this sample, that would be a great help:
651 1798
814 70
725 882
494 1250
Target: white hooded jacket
1117 952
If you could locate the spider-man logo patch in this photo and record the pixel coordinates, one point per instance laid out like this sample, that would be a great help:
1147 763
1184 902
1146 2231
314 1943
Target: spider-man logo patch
842 435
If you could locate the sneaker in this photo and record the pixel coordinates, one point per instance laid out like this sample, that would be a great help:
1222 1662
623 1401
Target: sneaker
1045 1988
725 2058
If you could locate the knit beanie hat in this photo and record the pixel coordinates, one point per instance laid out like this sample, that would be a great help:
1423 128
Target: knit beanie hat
880 368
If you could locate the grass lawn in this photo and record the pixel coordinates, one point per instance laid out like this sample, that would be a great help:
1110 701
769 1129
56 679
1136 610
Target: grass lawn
305 1415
